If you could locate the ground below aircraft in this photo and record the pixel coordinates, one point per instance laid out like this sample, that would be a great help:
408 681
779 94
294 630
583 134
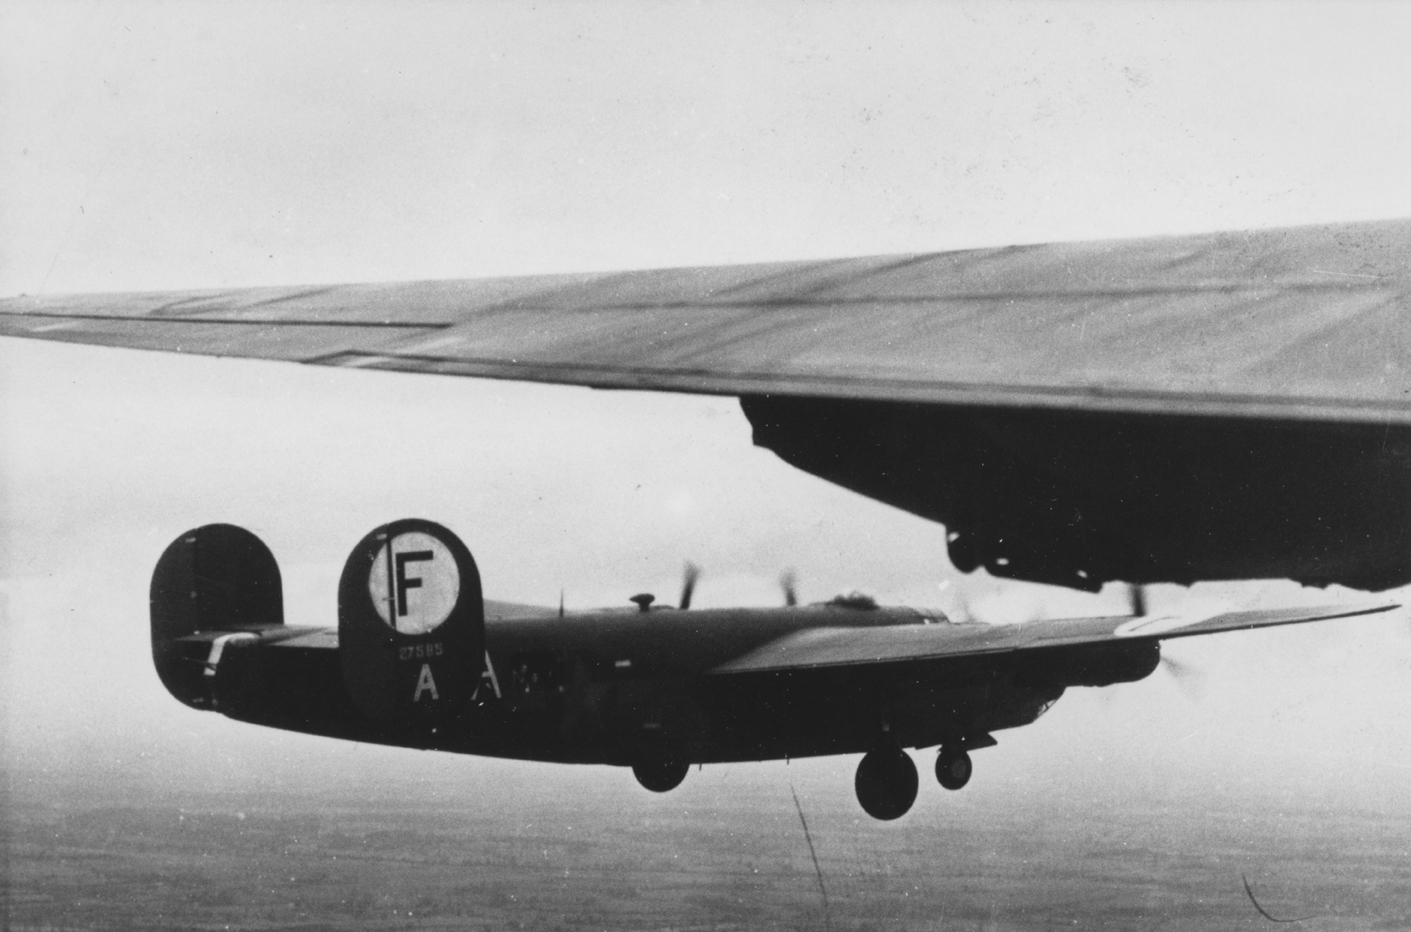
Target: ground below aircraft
420 659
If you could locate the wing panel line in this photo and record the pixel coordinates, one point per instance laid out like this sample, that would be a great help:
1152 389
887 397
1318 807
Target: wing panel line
700 381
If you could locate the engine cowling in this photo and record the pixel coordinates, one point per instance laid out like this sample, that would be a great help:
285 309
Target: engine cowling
411 626
1089 664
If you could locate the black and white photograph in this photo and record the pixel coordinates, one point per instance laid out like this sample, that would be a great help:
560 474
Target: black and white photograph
713 466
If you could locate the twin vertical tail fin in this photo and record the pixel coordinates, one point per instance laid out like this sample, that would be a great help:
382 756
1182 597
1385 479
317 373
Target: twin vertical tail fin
411 626
215 581
411 633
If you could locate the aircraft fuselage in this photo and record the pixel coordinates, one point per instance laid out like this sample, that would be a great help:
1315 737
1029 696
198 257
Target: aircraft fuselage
421 660
617 687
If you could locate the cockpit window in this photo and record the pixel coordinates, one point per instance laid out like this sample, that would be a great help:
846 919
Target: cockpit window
855 600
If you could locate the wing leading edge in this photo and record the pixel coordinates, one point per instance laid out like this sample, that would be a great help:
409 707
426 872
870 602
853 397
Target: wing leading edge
1305 322
838 647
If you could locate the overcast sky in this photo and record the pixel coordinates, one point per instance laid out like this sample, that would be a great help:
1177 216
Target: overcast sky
158 146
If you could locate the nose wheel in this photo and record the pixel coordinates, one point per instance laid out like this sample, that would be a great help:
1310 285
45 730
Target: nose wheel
953 769
886 783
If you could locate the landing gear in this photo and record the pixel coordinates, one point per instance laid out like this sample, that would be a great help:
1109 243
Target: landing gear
953 769
660 776
886 783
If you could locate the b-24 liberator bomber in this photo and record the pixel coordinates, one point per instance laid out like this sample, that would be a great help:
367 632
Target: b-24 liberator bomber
420 659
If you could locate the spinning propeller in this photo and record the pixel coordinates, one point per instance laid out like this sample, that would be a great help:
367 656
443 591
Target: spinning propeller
1185 675
1136 596
1000 608
788 582
688 584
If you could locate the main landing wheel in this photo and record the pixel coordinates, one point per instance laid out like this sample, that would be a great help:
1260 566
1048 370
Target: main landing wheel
660 776
886 783
953 769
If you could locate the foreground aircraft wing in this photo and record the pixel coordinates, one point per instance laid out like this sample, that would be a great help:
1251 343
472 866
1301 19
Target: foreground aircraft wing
840 646
1303 322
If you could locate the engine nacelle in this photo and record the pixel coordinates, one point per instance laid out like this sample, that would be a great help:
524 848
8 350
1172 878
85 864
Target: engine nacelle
411 626
1089 664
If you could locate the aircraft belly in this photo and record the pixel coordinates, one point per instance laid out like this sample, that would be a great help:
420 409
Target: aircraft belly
810 713
292 689
764 716
1080 498
573 707
759 717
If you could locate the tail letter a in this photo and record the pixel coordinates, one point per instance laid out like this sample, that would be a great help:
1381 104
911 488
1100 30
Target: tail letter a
425 683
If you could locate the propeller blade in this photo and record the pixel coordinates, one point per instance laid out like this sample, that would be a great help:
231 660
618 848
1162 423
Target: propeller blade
963 610
1136 596
788 582
1178 669
688 583
1007 606
1188 677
